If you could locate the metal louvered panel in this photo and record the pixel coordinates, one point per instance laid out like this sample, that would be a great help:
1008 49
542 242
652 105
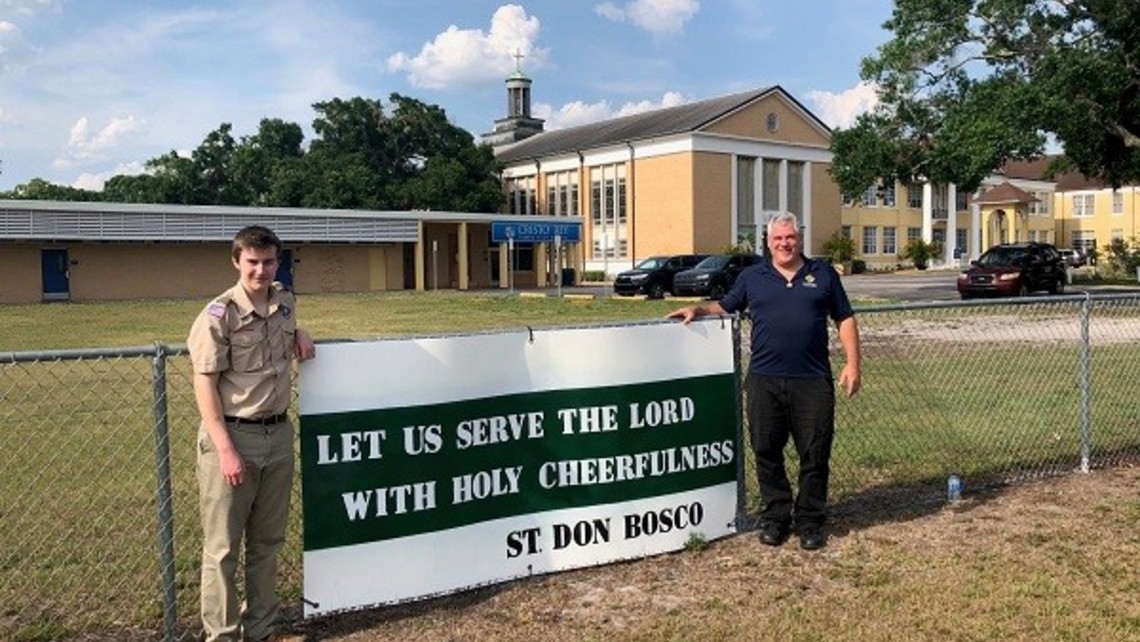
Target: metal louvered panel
97 225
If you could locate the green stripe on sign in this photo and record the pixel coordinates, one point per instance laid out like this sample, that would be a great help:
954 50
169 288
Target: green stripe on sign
380 474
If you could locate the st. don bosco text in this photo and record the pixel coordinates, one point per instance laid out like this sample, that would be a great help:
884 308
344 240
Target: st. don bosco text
378 503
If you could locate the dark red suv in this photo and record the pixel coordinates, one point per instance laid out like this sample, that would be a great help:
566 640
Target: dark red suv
1014 269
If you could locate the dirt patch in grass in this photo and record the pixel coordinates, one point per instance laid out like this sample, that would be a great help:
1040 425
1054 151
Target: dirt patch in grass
1048 559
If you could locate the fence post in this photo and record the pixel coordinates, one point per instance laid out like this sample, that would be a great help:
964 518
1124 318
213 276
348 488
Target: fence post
165 496
1084 384
738 382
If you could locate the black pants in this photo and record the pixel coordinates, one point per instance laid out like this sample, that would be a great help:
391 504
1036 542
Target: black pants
805 410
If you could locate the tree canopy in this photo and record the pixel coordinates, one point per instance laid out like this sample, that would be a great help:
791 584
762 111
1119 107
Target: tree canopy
966 85
361 157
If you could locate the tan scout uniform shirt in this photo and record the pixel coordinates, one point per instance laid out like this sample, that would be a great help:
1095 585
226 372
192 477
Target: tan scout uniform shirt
251 353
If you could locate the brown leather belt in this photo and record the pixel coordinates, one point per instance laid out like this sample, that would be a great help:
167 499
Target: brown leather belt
260 421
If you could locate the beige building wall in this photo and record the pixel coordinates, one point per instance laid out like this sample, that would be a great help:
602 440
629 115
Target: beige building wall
712 205
1104 224
123 271
791 125
22 280
332 268
826 207
664 201
118 271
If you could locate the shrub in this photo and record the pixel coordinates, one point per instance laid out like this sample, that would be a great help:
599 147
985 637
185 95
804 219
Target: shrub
858 266
919 252
839 248
593 276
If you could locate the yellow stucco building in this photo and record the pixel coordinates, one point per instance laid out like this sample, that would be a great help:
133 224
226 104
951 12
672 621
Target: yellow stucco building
695 178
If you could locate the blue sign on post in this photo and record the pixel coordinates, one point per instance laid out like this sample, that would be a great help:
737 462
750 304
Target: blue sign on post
536 232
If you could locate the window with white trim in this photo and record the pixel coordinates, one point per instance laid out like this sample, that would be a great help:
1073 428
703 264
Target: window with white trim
961 240
889 244
1084 205
913 234
914 195
562 193
1117 203
870 240
520 195
1040 207
608 211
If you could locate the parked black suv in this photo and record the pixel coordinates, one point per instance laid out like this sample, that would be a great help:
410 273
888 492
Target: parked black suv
713 276
653 277
1014 269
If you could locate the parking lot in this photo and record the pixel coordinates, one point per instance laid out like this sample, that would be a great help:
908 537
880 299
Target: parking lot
907 287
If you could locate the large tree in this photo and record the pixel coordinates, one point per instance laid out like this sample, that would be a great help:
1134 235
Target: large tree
966 85
360 158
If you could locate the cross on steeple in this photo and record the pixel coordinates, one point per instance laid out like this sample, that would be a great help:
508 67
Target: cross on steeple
518 59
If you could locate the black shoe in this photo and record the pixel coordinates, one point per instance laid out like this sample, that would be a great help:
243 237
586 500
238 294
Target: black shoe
772 533
812 538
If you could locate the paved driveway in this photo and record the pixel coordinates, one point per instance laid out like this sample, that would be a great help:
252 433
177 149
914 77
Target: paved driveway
936 285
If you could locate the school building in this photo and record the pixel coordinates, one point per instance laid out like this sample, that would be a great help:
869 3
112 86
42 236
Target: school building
85 251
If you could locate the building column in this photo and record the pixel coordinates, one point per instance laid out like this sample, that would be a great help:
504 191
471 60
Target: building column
420 250
807 217
464 260
783 182
927 212
975 244
505 276
951 223
541 265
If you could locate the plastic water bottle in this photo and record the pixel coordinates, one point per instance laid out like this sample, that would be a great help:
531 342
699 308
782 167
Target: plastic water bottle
954 488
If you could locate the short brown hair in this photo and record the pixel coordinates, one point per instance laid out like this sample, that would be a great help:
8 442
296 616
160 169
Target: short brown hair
256 237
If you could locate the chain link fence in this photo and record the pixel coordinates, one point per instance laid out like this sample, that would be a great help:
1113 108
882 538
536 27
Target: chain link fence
99 535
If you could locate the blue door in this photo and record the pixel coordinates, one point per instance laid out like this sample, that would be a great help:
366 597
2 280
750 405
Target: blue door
55 277
285 269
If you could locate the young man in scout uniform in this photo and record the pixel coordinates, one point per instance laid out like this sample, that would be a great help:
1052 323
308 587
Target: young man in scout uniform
241 347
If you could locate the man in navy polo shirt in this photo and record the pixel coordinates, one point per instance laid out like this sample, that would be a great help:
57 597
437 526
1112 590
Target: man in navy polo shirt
789 384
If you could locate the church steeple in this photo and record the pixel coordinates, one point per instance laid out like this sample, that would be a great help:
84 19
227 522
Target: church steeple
518 124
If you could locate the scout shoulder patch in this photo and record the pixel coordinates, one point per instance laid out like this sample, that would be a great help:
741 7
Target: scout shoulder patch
216 309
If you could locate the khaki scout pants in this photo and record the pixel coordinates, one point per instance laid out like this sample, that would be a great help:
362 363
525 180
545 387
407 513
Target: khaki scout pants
257 509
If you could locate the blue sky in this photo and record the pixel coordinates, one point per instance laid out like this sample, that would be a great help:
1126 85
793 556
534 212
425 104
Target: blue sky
90 89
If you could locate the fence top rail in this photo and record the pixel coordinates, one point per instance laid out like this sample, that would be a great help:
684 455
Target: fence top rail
162 349
82 353
1131 297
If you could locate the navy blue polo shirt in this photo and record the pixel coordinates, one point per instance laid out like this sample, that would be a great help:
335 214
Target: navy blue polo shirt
789 318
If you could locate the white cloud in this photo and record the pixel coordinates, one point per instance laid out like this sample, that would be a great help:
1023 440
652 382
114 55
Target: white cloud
84 148
97 181
654 16
472 57
28 7
11 41
840 110
579 113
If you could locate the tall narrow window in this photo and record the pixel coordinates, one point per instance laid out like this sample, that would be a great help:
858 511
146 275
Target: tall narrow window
889 244
770 185
870 240
746 198
796 188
